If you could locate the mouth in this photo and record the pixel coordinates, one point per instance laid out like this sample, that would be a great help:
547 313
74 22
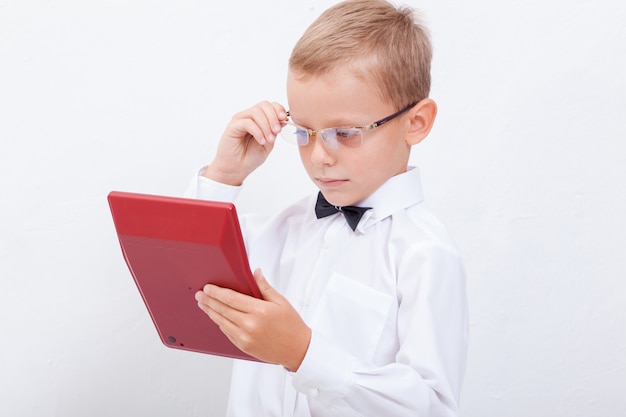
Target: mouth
330 182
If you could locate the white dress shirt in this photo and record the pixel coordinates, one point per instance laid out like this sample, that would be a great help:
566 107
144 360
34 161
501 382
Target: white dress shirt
386 304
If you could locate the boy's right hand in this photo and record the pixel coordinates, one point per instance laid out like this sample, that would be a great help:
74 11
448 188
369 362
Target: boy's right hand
246 143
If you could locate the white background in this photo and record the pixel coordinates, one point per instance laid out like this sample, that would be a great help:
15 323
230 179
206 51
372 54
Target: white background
526 165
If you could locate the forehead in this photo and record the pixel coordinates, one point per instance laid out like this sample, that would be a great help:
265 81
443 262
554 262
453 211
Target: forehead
340 97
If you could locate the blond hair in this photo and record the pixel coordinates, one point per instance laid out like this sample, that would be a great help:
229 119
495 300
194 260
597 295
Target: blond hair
372 38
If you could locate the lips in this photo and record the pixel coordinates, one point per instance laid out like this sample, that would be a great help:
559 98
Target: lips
330 182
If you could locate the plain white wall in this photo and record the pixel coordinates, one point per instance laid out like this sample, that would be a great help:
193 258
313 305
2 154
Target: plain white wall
526 165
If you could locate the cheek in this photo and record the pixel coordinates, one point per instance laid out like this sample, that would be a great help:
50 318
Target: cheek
388 158
305 156
304 153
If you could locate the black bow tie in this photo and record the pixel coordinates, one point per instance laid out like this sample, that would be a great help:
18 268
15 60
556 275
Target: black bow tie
352 214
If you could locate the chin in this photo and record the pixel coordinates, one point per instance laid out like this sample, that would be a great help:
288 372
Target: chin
337 198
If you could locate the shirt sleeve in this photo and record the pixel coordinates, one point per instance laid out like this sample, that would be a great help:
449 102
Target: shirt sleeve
425 378
203 188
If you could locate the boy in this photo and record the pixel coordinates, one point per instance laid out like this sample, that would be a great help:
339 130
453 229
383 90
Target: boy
360 316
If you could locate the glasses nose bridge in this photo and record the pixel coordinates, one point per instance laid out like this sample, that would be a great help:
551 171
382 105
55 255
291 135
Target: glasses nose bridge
321 134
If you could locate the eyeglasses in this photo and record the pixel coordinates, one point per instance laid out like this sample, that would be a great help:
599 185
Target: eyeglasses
334 137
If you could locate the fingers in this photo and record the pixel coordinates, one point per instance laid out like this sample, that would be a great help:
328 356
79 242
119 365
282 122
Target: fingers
269 329
222 301
221 314
232 304
234 313
246 143
262 122
224 304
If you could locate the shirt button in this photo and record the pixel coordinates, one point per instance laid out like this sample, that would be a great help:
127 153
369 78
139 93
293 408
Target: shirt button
313 392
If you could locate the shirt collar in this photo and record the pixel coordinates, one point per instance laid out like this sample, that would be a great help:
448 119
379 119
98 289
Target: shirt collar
397 193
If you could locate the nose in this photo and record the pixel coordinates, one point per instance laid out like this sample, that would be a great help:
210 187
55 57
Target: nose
320 154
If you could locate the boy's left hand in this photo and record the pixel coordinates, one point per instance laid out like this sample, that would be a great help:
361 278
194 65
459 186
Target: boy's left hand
269 329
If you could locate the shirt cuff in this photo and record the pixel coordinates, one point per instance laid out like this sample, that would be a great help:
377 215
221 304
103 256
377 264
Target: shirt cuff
326 371
205 189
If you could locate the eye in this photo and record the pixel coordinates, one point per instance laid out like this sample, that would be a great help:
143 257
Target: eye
347 134
349 137
302 137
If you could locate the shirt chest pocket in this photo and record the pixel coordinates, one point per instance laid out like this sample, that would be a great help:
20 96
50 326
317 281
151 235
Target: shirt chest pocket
352 314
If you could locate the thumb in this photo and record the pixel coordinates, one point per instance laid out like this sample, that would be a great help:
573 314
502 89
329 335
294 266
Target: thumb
267 291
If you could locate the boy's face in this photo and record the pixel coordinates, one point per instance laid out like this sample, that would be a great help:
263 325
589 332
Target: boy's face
347 175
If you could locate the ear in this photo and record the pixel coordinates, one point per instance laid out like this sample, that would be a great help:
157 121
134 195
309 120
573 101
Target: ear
421 120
